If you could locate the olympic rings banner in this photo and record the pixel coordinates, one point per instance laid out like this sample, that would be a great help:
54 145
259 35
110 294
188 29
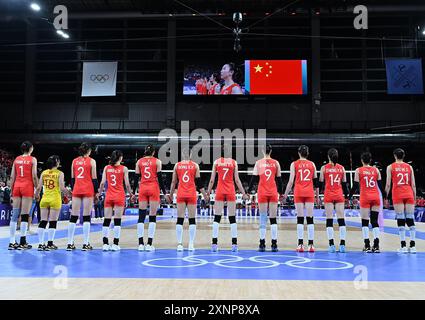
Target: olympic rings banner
99 79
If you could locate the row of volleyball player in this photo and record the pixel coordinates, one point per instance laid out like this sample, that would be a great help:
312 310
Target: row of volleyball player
304 180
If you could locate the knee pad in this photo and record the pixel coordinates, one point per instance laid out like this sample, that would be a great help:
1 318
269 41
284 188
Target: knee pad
263 220
374 219
410 222
192 221
142 215
365 223
180 221
73 219
15 214
86 218
341 222
152 218
329 223
217 218
42 224
300 220
107 222
53 224
25 217
232 219
117 222
310 220
401 221
410 216
273 221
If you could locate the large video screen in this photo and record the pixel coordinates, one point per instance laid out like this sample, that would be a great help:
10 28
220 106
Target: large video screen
251 77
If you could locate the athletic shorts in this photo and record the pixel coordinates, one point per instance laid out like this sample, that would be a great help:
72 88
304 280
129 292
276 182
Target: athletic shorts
187 200
333 199
267 198
368 203
52 203
403 200
303 199
149 193
225 197
114 202
23 191
82 195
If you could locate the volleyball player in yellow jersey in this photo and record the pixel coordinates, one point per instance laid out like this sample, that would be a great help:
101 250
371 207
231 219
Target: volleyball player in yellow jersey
52 182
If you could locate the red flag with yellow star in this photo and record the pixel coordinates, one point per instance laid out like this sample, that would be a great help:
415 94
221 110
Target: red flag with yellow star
276 76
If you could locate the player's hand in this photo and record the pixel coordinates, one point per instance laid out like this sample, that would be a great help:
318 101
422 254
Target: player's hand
207 197
284 198
168 198
318 202
37 197
281 198
245 196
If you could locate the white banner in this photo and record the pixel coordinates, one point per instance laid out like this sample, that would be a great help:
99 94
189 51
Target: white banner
99 79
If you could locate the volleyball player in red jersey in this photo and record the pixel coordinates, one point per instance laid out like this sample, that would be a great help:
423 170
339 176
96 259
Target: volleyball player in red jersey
335 183
267 172
115 175
148 169
227 171
303 173
187 174
404 197
213 84
23 181
84 183
230 87
368 178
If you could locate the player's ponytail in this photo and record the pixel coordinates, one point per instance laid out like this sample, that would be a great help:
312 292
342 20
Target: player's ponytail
303 151
84 149
399 154
366 157
268 149
333 155
149 150
115 157
26 146
53 161
236 74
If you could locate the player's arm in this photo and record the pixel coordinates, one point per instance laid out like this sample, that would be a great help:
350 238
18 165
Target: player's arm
12 176
199 184
94 175
72 176
290 181
34 171
413 183
174 180
137 176
254 178
380 186
356 186
38 188
345 186
322 177
102 183
62 187
126 182
388 184
238 181
159 176
278 179
212 179
316 184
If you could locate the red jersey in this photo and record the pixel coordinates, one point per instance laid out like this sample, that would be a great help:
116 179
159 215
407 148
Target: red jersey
229 89
211 91
115 179
267 170
368 179
186 173
82 168
148 170
304 175
333 176
226 171
401 174
23 171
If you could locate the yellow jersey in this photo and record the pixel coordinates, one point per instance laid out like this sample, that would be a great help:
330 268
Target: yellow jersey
51 188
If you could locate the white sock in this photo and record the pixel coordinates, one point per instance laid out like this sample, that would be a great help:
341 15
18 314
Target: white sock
402 233
105 232
300 231
330 232
234 230
179 233
310 229
151 229
71 231
51 234
215 229
342 232
263 233
117 232
273 228
12 232
412 233
41 235
365 232
24 229
86 232
375 232
192 233
140 230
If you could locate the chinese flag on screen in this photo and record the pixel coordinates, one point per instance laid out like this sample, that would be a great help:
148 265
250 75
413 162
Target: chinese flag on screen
276 76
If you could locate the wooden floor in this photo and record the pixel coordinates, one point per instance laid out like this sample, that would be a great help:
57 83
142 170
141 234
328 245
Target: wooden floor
124 288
